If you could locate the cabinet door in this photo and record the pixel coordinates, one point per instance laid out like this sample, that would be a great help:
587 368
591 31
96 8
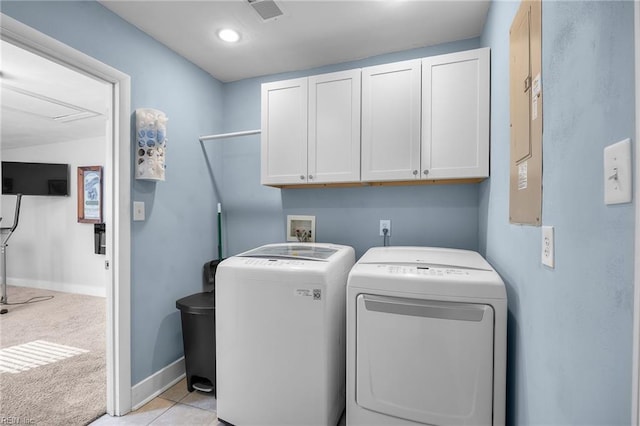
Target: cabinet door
391 121
334 127
284 132
455 115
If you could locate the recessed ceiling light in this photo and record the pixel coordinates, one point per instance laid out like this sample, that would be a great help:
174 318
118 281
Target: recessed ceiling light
229 35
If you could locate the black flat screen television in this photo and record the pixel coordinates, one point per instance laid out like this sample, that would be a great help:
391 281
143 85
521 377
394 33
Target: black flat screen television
35 178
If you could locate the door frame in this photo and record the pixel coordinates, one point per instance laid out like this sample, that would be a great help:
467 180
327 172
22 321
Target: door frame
117 205
635 378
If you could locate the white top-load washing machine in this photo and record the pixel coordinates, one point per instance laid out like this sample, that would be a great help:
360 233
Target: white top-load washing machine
426 339
280 331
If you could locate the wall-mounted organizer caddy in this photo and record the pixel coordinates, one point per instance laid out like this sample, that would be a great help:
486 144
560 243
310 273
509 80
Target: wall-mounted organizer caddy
413 122
151 144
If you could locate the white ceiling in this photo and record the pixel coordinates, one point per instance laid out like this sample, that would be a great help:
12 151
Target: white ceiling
309 34
43 102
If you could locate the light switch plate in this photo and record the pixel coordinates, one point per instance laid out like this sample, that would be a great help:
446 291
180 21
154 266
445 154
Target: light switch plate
138 210
548 248
617 173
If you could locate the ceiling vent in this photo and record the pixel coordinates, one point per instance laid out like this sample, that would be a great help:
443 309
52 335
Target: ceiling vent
267 9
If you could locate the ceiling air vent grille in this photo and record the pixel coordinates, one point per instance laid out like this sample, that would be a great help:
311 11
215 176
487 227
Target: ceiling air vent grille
267 9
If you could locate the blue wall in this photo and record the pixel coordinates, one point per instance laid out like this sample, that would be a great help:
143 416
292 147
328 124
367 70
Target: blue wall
420 215
570 328
169 248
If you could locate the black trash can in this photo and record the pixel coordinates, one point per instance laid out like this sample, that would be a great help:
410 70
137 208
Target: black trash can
197 313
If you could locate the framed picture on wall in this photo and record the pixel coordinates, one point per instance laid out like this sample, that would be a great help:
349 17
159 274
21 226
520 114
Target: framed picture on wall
90 194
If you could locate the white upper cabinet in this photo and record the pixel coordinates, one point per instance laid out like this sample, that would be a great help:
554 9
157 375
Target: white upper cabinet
284 132
311 130
455 115
391 121
334 128
420 120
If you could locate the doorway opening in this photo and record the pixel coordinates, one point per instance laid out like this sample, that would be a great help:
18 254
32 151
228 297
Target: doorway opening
116 205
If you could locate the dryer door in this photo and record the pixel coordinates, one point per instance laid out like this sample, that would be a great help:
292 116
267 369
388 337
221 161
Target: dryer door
426 361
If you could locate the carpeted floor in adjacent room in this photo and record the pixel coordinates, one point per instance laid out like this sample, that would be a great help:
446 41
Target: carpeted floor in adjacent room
52 358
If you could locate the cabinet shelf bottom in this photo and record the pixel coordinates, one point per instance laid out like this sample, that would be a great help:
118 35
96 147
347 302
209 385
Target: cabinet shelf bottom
386 183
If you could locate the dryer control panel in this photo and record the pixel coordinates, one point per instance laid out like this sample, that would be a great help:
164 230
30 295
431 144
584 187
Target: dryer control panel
423 270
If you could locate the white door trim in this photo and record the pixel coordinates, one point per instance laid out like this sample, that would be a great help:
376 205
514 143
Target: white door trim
635 398
117 209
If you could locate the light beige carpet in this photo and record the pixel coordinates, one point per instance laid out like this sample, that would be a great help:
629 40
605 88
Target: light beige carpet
68 391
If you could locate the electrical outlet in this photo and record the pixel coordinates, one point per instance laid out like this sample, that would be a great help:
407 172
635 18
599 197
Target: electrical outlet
547 246
385 224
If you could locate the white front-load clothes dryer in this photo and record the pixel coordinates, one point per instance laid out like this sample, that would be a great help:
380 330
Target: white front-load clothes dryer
280 335
426 339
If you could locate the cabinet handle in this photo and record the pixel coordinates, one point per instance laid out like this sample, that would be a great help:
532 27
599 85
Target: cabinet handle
415 172
311 177
301 177
426 172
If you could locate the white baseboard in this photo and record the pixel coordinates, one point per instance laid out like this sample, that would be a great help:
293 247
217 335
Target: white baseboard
57 286
144 391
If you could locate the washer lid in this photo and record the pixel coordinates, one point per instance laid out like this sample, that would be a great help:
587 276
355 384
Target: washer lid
292 251
426 256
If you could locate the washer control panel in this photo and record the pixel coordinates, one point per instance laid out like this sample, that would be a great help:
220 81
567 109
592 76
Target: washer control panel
273 262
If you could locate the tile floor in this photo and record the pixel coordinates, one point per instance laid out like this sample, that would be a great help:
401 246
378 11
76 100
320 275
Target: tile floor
175 407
